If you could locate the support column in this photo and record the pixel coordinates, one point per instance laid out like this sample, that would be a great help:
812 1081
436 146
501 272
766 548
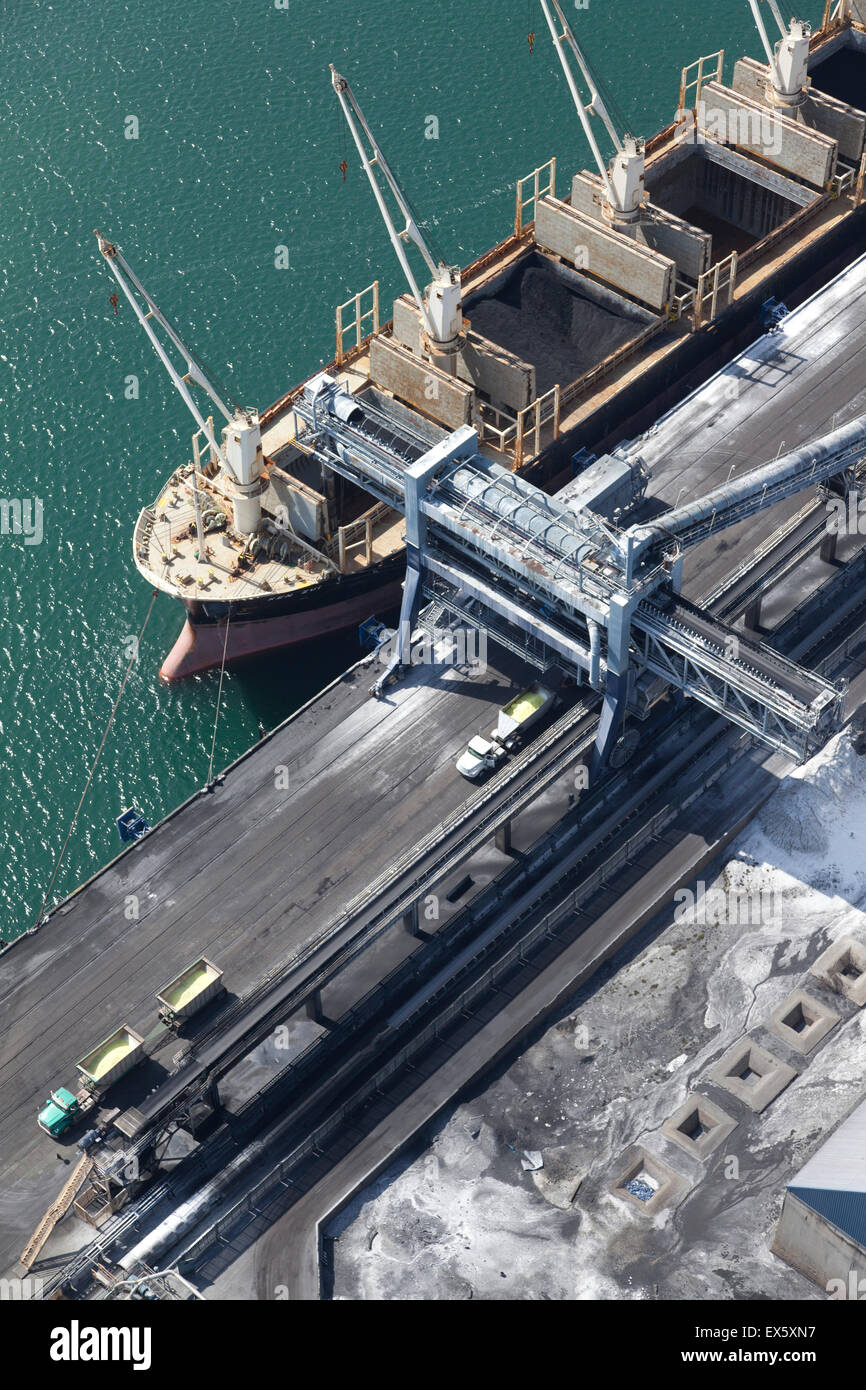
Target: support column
828 547
412 924
212 1094
503 839
463 443
752 616
313 1008
617 685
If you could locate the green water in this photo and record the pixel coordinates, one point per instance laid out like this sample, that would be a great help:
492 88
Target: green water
238 152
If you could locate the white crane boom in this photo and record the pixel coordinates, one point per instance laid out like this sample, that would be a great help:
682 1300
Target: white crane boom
623 179
440 307
789 60
240 454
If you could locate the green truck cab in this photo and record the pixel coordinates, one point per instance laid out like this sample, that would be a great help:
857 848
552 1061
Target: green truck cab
61 1110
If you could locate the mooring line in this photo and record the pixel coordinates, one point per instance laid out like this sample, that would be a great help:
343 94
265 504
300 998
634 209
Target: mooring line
219 697
95 764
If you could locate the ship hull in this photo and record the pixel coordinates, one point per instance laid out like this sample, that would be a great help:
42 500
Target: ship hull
214 633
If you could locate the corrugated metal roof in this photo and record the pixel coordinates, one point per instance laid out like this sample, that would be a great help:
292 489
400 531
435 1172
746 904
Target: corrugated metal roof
833 1182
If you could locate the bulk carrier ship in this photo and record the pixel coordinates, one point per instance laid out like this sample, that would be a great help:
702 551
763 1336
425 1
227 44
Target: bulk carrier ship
602 305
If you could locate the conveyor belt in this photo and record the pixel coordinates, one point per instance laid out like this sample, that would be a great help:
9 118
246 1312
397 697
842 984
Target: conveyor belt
804 687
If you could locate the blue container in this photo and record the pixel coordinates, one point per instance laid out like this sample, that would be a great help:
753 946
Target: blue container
131 825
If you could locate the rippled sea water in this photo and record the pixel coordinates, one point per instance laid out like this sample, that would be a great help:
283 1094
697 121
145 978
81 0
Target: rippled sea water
238 151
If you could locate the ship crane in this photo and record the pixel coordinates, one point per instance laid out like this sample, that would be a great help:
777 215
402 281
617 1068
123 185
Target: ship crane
240 454
789 60
623 179
441 306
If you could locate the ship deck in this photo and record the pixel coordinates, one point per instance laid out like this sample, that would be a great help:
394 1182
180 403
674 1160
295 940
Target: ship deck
598 389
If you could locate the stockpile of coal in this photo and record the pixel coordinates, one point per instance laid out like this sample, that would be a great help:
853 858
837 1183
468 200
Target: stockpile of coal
543 320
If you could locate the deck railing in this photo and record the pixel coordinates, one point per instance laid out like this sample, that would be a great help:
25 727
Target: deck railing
359 319
543 172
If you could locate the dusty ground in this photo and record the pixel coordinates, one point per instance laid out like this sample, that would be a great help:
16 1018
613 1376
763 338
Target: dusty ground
466 1219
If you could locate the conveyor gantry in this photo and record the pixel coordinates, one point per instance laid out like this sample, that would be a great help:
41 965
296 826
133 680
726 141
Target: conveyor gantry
565 579
734 501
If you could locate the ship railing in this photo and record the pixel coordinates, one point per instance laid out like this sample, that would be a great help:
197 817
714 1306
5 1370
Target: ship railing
531 422
496 427
142 541
842 180
716 289
205 456
143 532
354 533
358 321
543 180
836 12
683 301
695 75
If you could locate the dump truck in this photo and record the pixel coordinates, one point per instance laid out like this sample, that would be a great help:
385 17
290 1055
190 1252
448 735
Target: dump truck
61 1111
190 991
113 1058
515 721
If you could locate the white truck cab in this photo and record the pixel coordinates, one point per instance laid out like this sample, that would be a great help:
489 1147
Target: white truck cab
481 756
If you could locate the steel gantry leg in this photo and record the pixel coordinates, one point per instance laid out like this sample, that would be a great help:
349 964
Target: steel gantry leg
616 686
462 443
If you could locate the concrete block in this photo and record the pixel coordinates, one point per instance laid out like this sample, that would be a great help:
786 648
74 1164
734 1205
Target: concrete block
801 1021
658 230
844 124
420 384
699 1126
587 195
307 510
842 968
505 379
499 375
407 324
752 1074
688 246
608 255
669 1187
757 129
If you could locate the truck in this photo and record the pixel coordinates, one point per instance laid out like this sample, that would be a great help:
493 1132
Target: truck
515 720
61 1111
112 1059
190 991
